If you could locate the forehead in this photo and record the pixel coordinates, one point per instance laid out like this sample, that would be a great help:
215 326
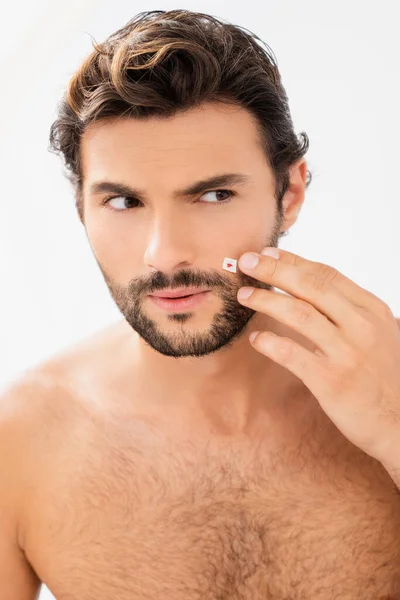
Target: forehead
210 137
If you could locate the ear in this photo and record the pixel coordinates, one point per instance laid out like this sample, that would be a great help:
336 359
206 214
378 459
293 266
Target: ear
295 194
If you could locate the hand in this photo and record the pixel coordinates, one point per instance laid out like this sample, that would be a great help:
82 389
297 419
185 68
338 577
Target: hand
354 368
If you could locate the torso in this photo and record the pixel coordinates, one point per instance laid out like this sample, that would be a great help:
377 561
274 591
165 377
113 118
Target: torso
123 509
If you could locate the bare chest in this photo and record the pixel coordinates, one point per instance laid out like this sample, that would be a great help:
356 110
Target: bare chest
124 518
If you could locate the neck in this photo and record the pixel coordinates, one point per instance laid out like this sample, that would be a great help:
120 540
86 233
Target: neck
229 391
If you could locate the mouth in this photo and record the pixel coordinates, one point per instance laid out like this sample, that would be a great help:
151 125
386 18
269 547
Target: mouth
179 293
179 303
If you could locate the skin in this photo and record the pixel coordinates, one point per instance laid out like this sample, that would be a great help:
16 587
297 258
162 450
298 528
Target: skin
219 380
107 443
353 370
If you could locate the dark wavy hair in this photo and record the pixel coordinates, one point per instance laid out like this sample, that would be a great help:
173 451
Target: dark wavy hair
162 62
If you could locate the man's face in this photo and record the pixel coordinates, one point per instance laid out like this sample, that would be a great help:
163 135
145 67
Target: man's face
155 239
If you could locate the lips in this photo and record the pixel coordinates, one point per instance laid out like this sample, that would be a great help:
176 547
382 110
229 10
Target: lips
175 305
183 292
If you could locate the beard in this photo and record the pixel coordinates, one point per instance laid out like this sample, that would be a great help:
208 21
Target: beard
227 325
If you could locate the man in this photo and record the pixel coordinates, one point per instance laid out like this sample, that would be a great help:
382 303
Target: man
168 456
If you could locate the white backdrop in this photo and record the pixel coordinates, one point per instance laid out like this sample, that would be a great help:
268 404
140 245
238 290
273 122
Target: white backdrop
340 67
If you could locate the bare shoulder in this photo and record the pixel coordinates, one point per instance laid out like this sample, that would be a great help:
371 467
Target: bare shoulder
25 403
22 414
57 384
37 406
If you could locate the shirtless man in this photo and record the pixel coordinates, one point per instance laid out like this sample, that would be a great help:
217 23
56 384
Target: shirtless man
168 456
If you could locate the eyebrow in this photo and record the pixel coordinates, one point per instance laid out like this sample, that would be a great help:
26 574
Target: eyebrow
224 179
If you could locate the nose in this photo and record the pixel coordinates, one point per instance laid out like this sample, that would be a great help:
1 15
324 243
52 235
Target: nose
169 248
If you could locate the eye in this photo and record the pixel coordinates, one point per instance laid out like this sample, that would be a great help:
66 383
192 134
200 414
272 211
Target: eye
120 204
123 203
223 200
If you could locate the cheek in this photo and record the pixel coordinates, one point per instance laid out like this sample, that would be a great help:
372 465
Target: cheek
115 248
231 242
253 224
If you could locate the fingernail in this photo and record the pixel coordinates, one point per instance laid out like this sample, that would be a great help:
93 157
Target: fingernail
273 252
253 335
245 293
248 260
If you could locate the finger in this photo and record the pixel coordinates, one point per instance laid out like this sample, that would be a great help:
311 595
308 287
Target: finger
302 317
353 292
306 285
301 362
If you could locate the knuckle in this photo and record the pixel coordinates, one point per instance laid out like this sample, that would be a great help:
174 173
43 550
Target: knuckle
369 332
272 267
377 306
386 311
301 311
287 348
327 273
312 281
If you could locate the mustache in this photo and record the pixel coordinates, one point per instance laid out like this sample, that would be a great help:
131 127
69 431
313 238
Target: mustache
191 279
214 280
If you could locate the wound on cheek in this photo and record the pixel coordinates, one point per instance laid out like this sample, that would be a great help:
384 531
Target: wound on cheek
229 264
